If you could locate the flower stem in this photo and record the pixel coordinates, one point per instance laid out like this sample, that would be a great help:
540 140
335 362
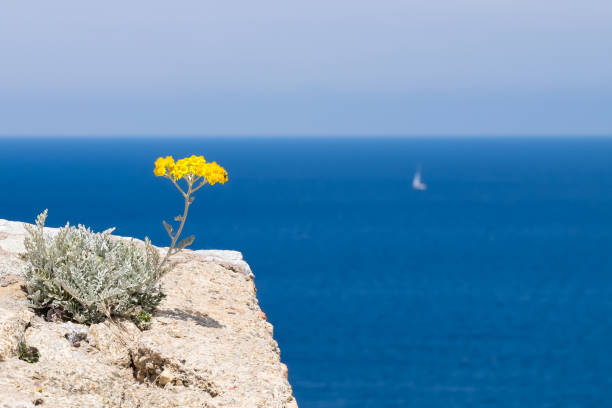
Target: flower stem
176 236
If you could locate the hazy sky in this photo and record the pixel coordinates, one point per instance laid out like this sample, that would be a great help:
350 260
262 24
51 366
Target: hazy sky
343 67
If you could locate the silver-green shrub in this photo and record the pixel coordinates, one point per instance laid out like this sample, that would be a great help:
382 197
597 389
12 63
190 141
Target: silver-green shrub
90 276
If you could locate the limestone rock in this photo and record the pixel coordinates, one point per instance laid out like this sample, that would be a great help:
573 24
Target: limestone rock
208 344
12 329
75 333
165 377
114 341
15 400
231 260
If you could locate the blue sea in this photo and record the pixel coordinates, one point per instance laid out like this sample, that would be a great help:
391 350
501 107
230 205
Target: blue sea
493 288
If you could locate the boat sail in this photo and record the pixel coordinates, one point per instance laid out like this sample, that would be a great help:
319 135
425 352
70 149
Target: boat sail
417 184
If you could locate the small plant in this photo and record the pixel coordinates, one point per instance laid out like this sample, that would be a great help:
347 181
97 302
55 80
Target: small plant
29 354
196 172
143 320
89 276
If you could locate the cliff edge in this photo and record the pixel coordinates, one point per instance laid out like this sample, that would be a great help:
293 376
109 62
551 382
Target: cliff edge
209 344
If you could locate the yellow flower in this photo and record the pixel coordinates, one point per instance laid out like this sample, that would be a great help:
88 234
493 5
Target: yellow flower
195 164
180 169
215 173
198 169
191 168
163 165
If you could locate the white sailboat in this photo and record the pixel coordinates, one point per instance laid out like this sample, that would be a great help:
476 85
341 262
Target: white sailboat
417 184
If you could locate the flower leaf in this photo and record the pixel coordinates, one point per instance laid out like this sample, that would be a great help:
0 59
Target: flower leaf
186 242
168 228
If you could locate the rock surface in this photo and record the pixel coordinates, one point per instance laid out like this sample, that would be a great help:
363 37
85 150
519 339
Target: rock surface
209 344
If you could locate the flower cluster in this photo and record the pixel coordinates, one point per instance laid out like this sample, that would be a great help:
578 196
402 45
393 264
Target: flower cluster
163 166
192 168
214 173
196 172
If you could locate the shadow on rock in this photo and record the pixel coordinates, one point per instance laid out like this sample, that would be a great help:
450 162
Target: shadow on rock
197 317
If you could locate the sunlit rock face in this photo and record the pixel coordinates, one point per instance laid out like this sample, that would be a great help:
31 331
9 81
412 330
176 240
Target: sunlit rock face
209 344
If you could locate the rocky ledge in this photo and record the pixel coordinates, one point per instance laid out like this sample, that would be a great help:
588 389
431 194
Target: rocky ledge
209 344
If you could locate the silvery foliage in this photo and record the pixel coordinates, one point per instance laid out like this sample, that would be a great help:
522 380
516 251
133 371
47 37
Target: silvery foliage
90 276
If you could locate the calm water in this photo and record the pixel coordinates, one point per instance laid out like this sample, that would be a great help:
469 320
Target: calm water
491 289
